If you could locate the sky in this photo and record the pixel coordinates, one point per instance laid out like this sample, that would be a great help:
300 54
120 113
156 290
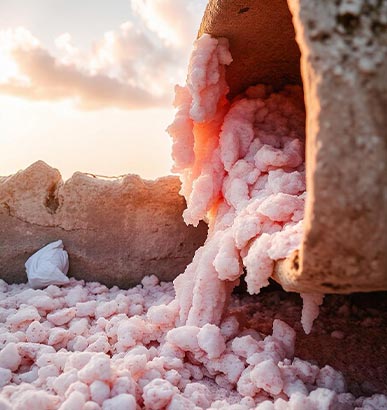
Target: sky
88 85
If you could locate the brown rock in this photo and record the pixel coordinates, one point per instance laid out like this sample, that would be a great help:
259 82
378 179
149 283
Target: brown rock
115 231
344 72
262 41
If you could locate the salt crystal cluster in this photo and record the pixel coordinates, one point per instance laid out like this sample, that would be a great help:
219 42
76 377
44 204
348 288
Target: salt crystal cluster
84 346
242 168
48 266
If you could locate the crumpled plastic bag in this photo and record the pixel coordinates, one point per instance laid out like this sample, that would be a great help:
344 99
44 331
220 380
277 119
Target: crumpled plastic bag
48 266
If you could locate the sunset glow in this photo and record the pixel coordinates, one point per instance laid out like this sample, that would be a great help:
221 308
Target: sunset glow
84 98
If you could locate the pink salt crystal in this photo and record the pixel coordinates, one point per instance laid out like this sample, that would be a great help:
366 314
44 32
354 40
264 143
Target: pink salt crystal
98 368
43 303
206 76
266 405
258 264
299 401
267 376
78 360
211 341
79 343
226 262
310 309
291 183
229 327
179 402
76 295
91 405
285 335
161 315
123 385
74 400
36 400
174 377
25 315
236 192
246 227
5 377
184 337
120 402
375 402
198 394
244 346
106 309
26 377
150 281
306 371
98 343
331 379
5 404
9 357
158 393
99 391
130 330
61 317
84 309
78 326
324 399
181 131
57 335
283 243
48 371
36 332
230 365
280 207
64 380
237 131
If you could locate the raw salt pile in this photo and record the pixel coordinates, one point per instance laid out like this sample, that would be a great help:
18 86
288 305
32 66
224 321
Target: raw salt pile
242 168
84 346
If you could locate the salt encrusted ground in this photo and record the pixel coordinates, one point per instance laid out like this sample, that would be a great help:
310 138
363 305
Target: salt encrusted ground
84 346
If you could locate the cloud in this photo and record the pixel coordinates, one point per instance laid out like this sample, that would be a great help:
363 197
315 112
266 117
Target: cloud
134 66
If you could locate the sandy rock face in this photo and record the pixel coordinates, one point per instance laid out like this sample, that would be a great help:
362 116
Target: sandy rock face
115 231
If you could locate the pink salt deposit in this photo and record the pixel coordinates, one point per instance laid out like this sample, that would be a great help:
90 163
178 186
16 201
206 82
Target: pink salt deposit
121 350
159 346
242 169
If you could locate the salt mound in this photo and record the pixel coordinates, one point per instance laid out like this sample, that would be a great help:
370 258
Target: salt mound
242 168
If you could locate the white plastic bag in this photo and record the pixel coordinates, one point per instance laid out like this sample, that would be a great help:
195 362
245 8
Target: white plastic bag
48 266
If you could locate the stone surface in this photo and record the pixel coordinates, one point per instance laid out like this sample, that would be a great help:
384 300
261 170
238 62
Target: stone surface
115 231
344 72
262 41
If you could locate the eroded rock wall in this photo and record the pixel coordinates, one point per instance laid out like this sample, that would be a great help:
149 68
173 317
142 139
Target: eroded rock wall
115 231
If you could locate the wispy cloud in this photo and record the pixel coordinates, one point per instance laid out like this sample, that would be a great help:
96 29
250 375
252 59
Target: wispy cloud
133 66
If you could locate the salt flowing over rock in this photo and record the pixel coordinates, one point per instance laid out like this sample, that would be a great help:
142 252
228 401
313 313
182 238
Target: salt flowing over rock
115 231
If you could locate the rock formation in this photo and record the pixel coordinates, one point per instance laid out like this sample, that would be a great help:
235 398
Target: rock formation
115 231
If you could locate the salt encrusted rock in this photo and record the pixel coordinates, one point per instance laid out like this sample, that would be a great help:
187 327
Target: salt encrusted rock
343 65
115 231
